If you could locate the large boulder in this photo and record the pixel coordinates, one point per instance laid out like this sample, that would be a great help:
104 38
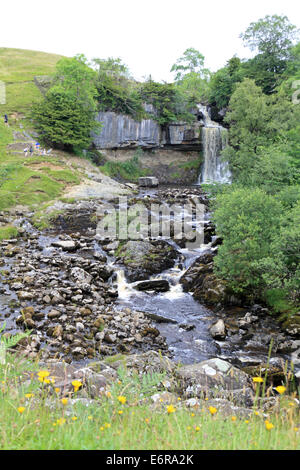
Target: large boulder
157 285
144 258
201 281
292 325
216 378
218 330
148 181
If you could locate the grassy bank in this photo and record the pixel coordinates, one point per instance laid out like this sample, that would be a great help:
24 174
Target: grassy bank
18 67
28 181
33 416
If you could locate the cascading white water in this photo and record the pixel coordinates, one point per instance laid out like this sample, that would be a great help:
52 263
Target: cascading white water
214 138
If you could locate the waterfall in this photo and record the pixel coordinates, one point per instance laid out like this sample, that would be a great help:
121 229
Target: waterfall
214 138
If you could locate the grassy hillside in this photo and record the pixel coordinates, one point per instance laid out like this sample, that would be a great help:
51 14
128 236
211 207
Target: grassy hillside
25 180
18 68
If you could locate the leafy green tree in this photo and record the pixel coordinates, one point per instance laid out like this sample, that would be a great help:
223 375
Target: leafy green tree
76 76
66 116
248 118
223 82
64 121
193 90
116 90
272 170
272 37
163 97
248 221
192 61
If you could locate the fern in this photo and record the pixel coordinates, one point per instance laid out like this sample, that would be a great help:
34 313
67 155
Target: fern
142 385
9 342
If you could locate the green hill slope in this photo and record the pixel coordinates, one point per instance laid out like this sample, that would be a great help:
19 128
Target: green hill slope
18 67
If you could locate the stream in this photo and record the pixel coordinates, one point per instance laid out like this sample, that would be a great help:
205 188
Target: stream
182 320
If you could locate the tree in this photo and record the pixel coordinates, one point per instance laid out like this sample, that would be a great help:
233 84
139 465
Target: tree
66 116
223 82
248 221
272 37
163 97
63 120
192 61
248 118
272 170
74 74
116 90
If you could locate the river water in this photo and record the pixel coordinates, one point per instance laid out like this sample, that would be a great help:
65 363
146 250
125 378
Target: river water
179 317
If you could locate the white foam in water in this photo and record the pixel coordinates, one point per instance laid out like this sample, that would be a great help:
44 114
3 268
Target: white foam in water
215 139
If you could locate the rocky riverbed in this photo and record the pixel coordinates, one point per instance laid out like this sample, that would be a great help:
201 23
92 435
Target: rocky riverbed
84 298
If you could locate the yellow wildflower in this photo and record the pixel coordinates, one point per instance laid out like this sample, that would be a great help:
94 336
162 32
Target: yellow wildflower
171 409
64 401
42 374
61 421
233 418
21 409
268 425
29 395
212 410
76 384
107 425
120 412
57 390
197 428
74 418
257 380
280 389
122 399
296 429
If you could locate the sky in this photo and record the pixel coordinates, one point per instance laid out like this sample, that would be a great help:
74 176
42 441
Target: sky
149 36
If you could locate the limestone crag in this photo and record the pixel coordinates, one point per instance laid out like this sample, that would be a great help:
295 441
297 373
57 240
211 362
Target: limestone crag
121 131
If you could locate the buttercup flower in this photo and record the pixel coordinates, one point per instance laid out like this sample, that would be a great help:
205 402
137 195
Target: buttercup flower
171 409
257 379
61 421
280 389
21 409
268 425
64 401
42 374
122 399
212 410
76 384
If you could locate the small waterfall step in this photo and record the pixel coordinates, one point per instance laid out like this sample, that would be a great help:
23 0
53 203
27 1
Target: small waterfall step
215 139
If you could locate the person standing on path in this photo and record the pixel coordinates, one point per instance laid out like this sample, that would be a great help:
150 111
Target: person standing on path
37 146
6 119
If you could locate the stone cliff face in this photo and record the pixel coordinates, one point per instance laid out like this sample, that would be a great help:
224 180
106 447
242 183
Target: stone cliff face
120 131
